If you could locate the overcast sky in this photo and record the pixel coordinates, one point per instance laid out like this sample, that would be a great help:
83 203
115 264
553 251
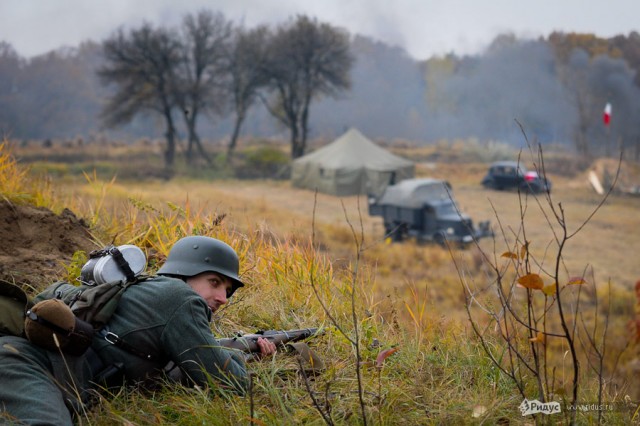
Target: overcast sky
423 27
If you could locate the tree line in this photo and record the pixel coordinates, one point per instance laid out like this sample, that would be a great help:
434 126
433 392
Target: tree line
556 87
209 79
207 65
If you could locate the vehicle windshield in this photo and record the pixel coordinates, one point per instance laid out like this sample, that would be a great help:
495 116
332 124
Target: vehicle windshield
508 170
435 192
446 209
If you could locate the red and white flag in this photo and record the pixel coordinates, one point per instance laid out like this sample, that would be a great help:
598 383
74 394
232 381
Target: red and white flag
606 116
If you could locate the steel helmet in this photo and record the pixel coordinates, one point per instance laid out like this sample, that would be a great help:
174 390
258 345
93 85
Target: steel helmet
194 255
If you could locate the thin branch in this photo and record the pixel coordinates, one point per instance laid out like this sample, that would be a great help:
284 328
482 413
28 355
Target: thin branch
312 280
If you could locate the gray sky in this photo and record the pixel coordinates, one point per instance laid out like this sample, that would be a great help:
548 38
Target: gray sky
423 27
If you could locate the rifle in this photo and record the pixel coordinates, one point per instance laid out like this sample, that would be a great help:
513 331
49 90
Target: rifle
249 342
290 340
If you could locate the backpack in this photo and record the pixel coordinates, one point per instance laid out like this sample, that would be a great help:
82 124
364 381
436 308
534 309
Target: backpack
92 304
104 278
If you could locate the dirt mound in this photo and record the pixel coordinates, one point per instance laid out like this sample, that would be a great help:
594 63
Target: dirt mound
36 243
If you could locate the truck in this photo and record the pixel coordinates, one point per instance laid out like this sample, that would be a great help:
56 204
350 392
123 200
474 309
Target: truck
425 209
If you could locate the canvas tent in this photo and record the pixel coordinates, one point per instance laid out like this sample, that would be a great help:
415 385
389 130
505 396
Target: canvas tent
350 165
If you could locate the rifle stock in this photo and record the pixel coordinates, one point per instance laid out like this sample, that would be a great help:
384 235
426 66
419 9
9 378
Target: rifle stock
249 342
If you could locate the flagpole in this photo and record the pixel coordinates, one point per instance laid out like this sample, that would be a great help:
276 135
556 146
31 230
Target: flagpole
606 118
608 151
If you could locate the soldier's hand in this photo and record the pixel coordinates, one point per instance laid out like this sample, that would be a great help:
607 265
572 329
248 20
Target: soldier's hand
266 347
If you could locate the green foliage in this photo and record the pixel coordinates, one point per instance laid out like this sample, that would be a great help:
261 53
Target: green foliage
263 162
15 183
103 169
73 268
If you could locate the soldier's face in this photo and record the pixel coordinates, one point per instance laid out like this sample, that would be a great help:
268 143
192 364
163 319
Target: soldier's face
212 287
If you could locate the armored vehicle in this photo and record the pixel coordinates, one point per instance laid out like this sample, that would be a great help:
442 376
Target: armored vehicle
425 209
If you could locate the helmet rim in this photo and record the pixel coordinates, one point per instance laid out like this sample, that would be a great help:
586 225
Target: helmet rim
194 255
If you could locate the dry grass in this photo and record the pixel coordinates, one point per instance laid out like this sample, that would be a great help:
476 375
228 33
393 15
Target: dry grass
607 243
275 208
407 294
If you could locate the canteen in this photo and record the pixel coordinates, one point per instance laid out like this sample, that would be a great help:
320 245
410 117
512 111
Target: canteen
104 269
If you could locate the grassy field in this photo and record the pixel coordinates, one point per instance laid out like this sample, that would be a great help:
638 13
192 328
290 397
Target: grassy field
403 296
607 244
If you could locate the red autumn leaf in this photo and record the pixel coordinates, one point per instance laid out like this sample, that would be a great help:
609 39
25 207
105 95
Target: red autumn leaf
576 281
383 355
532 281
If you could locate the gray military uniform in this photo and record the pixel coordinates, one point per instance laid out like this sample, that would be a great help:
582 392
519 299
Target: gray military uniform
162 317
29 379
165 318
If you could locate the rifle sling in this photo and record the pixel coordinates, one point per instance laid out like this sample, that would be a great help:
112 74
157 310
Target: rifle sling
116 340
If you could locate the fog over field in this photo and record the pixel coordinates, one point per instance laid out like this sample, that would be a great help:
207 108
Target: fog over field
422 72
422 28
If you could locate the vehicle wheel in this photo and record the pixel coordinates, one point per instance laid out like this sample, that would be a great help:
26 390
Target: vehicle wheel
489 184
397 234
393 231
530 188
439 239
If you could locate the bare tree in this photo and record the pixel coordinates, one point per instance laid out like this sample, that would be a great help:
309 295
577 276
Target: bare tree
575 77
516 315
307 60
142 66
247 75
202 78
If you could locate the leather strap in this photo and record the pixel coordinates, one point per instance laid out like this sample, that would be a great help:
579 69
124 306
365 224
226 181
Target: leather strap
116 340
122 264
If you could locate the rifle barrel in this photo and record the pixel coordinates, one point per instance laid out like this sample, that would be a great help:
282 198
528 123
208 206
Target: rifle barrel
249 342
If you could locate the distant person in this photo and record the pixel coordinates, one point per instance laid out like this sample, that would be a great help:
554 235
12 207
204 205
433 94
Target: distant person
160 320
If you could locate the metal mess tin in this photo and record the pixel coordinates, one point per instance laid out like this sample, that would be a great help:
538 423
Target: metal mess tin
100 270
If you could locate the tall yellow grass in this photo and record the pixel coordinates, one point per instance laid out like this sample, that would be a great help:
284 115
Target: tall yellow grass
437 375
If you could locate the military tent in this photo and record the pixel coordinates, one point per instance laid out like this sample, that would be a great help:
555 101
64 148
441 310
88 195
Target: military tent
350 165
